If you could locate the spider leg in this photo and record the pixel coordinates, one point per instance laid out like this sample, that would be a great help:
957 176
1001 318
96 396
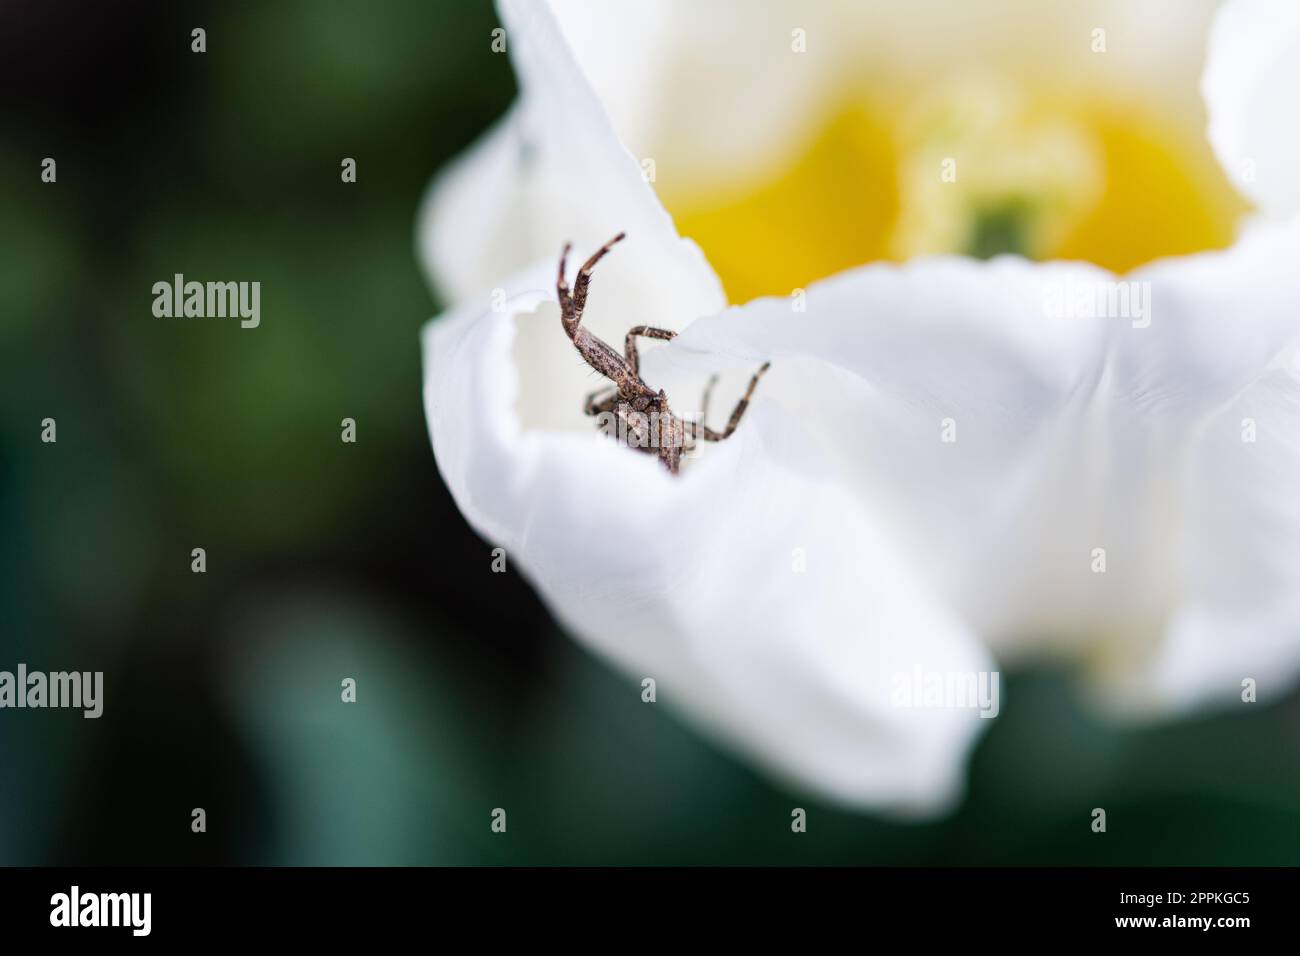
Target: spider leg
584 276
708 434
595 352
645 331
595 405
562 290
695 425
704 402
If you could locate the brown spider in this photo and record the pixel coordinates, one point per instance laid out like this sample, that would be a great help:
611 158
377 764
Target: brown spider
641 415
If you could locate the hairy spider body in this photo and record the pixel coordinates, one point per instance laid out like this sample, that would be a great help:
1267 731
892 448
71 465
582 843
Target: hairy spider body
639 415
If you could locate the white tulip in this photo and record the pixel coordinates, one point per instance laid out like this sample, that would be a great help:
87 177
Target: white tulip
951 460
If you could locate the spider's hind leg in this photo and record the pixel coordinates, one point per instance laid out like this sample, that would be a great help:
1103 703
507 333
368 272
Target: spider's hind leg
704 402
708 434
595 405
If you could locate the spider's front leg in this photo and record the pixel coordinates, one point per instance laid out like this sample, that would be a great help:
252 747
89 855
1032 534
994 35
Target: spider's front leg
593 350
584 274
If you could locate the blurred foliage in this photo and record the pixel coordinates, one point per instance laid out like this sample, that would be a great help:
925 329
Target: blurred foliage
328 560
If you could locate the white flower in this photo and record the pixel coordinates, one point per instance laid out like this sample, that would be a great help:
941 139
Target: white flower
1103 500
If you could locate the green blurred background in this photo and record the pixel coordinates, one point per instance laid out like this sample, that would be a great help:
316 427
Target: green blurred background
328 560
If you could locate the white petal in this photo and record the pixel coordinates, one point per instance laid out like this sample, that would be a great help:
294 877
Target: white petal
553 171
1251 81
1242 558
693 580
1223 355
889 362
712 92
1072 435
1218 320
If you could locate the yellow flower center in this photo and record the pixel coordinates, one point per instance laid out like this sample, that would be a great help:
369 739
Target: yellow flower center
976 168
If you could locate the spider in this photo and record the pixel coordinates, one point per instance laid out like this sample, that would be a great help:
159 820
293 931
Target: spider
645 422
